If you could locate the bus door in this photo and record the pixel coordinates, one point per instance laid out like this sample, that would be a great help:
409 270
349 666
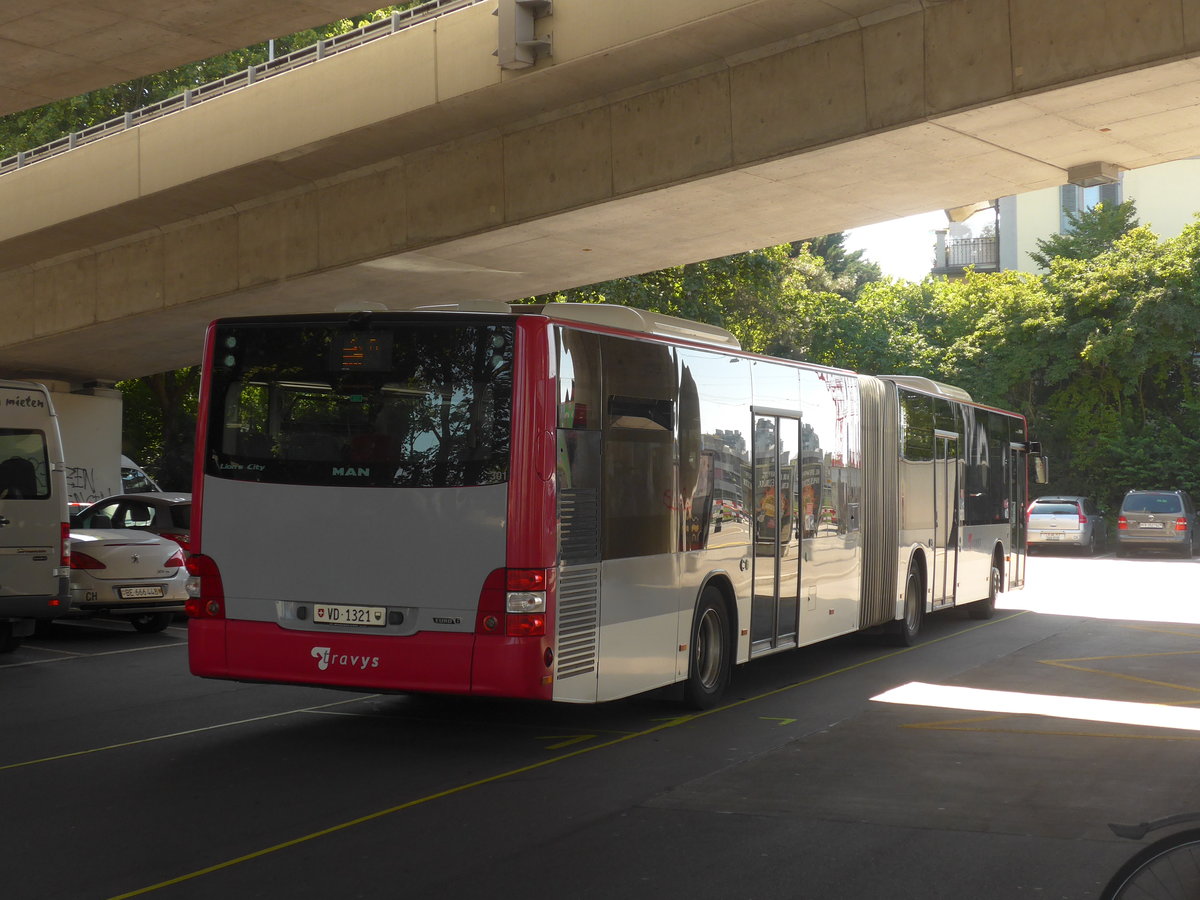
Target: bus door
1017 487
774 616
945 518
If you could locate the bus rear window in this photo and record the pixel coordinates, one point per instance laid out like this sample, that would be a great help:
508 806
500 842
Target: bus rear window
398 405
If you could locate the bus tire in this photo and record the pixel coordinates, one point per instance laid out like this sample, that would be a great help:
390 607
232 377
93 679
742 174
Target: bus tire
904 631
985 609
151 623
711 656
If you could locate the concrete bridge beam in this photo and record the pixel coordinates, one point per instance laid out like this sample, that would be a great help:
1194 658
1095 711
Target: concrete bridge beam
414 170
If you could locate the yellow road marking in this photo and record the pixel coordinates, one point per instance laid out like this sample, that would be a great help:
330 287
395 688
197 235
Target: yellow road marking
511 773
564 740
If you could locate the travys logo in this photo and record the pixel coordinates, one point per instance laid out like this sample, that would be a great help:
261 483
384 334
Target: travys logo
327 656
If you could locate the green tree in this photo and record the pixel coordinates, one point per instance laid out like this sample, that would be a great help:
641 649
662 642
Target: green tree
1088 233
849 270
769 299
159 426
1124 403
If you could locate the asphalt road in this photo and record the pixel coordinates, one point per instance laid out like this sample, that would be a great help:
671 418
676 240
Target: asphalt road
121 775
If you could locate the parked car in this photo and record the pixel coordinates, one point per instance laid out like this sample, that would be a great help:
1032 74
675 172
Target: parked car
1066 521
1157 520
166 514
131 574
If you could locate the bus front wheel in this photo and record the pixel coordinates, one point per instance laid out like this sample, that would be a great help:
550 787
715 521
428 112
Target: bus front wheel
711 655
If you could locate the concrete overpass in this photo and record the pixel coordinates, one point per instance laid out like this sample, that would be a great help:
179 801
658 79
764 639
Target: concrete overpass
415 170
62 48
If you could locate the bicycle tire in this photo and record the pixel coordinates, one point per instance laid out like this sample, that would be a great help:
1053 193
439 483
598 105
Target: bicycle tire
1168 869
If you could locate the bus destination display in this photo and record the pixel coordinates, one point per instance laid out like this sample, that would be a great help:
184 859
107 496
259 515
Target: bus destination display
360 351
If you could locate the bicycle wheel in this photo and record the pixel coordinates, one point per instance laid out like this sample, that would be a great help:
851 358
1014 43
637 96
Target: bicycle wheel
1168 869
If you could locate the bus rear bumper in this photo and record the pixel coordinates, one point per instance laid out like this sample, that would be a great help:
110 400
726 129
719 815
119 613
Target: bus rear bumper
429 662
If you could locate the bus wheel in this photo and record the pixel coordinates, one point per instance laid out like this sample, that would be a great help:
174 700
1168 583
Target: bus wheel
712 653
985 609
905 631
151 623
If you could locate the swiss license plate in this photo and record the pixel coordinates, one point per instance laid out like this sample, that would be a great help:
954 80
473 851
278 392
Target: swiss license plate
146 592
326 614
1150 524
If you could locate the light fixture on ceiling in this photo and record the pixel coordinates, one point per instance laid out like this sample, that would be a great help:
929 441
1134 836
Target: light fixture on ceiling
1094 173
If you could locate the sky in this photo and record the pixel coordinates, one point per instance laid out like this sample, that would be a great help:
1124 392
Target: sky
903 247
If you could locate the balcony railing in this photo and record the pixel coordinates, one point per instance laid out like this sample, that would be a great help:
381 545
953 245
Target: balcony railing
953 256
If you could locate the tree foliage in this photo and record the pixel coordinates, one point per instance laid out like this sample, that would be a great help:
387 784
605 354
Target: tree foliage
1088 233
159 424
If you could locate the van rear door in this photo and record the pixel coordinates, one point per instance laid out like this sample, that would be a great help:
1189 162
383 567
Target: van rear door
32 504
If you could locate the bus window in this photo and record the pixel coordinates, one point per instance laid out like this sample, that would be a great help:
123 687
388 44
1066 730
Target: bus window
714 468
988 464
916 426
579 442
298 408
639 494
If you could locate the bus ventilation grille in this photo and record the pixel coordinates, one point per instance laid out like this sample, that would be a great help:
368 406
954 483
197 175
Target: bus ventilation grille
579 525
578 620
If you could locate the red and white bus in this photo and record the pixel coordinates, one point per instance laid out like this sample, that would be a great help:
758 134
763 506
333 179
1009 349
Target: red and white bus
573 502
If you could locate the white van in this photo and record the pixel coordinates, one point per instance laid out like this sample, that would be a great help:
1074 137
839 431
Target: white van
134 479
34 566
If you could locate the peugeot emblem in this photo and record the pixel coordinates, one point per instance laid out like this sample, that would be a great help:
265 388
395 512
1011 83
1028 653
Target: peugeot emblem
134 558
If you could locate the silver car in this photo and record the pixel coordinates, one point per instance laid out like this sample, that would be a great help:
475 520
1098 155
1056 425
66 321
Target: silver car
134 575
1066 521
1157 520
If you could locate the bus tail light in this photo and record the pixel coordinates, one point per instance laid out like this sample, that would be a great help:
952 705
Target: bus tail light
525 625
1122 523
513 603
65 546
206 593
525 602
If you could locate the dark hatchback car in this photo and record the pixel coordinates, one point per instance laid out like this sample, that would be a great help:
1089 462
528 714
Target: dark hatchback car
166 514
1157 520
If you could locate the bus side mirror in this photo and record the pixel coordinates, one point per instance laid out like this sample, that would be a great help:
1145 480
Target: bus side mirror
1041 469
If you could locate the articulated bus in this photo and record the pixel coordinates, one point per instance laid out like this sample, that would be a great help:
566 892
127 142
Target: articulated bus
573 502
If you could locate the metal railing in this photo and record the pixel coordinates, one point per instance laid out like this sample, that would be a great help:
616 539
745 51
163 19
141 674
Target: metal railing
238 80
982 252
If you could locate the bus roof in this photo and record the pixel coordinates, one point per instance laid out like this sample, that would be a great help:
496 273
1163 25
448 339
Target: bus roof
609 315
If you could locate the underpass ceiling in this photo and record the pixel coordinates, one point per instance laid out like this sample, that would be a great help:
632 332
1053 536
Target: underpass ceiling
1132 118
62 48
